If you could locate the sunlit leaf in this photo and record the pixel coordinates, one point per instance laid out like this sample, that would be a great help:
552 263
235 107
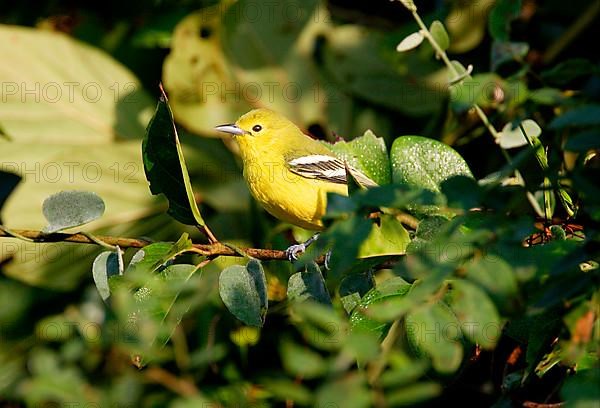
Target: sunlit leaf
68 209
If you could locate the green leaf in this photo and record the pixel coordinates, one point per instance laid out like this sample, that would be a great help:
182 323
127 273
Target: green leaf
197 56
353 287
66 92
256 271
462 192
395 287
401 82
349 391
508 51
425 163
106 265
568 70
8 182
512 136
478 317
439 33
301 361
344 238
285 389
547 96
487 90
243 292
586 115
433 330
165 166
69 209
581 390
413 394
154 256
583 141
503 13
387 237
410 42
308 285
498 279
366 153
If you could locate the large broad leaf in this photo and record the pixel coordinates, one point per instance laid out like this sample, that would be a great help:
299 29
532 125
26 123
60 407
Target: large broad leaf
425 163
74 116
196 74
368 154
356 59
165 166
60 90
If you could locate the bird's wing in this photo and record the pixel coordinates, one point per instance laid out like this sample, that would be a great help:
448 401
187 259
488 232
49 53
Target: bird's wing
327 168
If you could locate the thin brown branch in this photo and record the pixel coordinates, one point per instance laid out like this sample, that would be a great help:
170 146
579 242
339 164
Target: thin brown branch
209 250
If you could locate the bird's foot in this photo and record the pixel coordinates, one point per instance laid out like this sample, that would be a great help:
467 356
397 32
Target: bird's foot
294 250
327 259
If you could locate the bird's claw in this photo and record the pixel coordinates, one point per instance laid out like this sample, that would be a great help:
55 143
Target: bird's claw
327 259
294 250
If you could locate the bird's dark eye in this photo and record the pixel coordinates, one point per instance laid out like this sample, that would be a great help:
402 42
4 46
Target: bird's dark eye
256 128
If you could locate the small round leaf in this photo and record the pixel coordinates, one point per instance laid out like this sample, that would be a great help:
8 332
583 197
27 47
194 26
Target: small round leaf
69 209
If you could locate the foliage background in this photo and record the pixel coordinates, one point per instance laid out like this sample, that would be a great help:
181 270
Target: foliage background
60 344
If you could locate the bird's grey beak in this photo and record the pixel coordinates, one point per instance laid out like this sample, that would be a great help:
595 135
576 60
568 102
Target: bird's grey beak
231 129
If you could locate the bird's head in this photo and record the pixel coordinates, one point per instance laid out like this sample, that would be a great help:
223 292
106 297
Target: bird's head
258 126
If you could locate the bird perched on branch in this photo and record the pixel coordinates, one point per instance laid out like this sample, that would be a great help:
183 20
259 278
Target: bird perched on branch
288 172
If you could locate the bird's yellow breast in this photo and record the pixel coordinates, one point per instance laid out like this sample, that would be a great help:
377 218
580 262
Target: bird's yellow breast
288 196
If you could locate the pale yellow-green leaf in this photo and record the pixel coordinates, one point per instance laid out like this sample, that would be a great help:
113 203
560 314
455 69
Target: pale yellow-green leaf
409 42
510 138
56 89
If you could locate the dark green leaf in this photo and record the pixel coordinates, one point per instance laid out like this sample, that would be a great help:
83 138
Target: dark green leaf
353 287
508 51
69 209
586 115
308 285
241 295
566 71
462 192
257 273
503 13
165 166
583 141
581 390
8 181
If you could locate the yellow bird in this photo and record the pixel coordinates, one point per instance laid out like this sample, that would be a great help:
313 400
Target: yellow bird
288 172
